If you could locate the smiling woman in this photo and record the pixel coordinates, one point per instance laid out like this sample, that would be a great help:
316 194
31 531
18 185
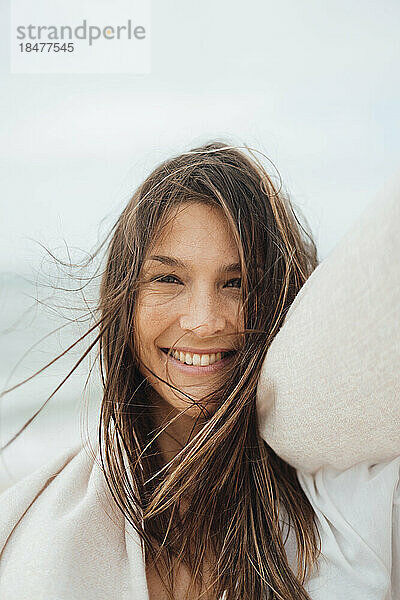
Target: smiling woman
187 321
202 267
196 310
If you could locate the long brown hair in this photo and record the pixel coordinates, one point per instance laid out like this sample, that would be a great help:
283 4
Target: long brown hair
236 491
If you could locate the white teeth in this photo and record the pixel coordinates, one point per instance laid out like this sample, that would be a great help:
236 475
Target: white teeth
196 360
203 360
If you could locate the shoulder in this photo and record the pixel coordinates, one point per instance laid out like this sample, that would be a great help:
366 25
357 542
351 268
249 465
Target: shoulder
62 535
16 500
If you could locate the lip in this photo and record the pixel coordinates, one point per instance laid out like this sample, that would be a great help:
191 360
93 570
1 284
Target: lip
203 350
195 370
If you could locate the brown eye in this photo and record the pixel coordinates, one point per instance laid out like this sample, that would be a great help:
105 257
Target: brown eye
165 278
237 281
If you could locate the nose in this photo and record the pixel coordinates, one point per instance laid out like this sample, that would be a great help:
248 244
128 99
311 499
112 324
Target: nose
203 314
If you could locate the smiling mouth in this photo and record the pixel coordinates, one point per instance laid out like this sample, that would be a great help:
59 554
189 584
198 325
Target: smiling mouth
199 360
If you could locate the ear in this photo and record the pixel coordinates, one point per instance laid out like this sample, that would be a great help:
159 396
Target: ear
329 390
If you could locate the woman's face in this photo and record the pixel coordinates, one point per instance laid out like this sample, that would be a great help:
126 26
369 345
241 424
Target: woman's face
190 300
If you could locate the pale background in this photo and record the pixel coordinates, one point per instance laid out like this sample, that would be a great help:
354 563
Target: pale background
314 85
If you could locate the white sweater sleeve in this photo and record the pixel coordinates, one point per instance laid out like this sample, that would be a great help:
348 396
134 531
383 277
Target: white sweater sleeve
329 389
358 517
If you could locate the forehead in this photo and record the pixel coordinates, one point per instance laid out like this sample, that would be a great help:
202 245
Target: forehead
194 228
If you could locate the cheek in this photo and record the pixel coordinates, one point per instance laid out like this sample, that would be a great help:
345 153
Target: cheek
154 318
150 323
234 316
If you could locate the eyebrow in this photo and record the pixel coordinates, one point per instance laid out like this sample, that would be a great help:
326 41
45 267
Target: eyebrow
177 263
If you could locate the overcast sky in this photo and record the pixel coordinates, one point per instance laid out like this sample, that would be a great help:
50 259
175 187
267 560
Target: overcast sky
314 85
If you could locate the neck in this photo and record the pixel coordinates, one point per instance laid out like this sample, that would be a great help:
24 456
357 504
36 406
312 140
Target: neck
176 435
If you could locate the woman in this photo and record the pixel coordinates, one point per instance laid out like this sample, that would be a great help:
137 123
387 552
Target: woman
190 501
206 258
